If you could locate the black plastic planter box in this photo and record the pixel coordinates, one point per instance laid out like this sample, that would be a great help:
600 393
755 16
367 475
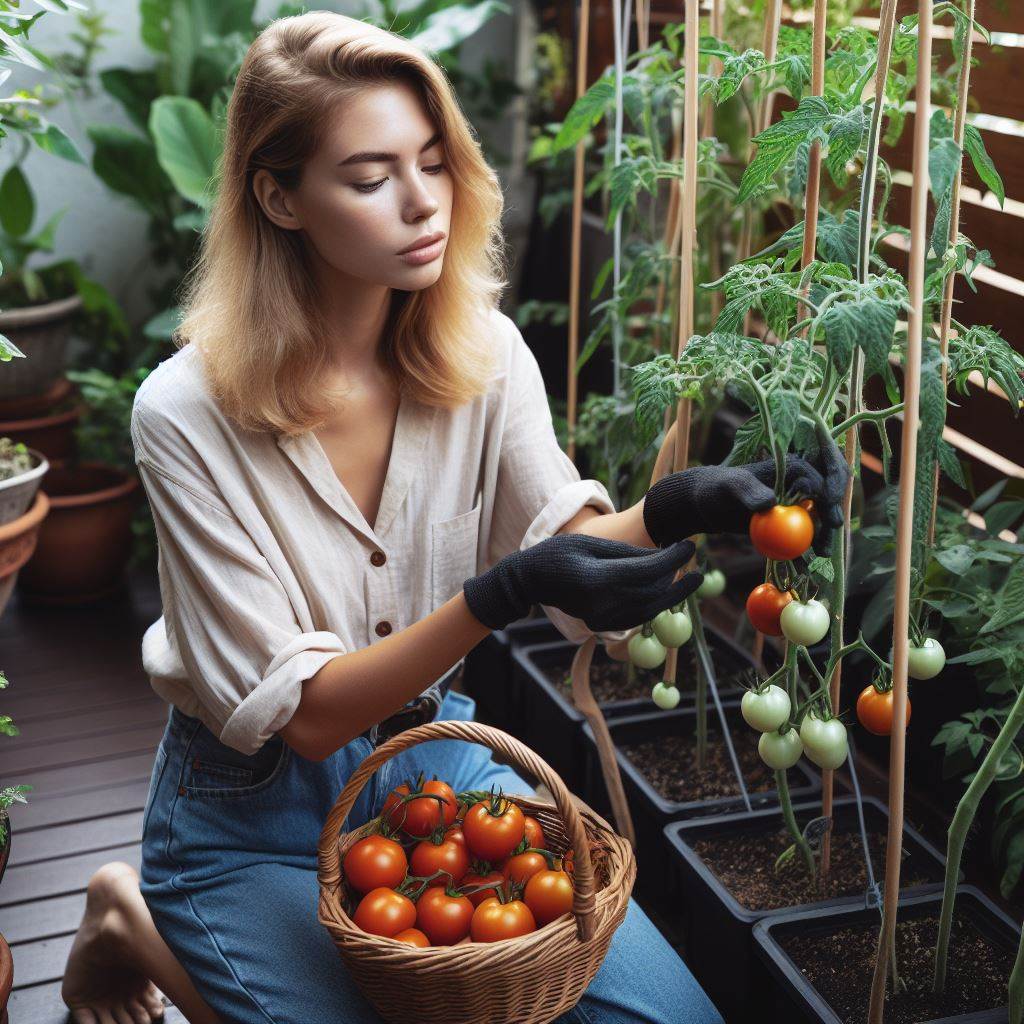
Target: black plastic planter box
650 811
717 927
794 998
488 677
550 723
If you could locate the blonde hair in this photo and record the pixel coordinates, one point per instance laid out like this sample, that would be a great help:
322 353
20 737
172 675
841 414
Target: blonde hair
250 302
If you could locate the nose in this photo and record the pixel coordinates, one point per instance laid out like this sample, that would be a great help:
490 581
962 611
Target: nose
421 205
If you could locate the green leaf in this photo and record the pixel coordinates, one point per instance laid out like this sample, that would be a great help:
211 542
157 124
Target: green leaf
127 163
134 89
53 140
932 421
950 464
8 350
450 27
161 326
187 146
957 559
735 69
1009 601
844 141
584 114
17 204
1003 516
777 144
986 169
823 567
784 409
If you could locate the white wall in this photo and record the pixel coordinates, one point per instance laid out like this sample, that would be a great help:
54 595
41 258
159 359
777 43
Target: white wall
105 231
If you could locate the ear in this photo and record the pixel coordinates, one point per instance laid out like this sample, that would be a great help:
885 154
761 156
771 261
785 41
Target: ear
274 201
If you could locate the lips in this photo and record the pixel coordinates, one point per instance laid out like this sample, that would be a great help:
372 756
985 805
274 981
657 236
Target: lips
422 243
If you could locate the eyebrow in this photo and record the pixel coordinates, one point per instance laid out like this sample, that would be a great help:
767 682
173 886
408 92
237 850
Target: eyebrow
381 158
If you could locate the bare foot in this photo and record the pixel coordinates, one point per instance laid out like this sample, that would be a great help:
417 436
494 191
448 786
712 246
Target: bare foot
102 983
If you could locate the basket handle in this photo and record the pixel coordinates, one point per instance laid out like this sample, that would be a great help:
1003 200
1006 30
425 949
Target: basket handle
584 900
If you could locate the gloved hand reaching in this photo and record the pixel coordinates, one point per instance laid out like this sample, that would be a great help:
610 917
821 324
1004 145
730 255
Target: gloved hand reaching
608 584
721 499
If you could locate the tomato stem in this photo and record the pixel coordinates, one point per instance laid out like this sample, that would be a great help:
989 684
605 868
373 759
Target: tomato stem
782 784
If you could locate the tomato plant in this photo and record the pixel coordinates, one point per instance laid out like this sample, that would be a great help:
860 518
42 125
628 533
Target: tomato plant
645 649
713 585
672 627
927 660
665 695
824 740
780 750
805 623
874 710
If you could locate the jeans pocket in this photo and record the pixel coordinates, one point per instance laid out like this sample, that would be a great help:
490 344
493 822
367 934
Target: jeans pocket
215 771
159 762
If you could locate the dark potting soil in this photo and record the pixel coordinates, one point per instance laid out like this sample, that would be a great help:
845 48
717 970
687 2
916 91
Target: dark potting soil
670 764
745 864
840 966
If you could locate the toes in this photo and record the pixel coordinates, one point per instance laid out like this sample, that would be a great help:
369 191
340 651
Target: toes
138 1013
83 1015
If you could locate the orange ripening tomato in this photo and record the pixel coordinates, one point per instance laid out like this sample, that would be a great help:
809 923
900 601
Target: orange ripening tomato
385 912
874 710
764 608
413 936
782 532
373 862
548 895
494 920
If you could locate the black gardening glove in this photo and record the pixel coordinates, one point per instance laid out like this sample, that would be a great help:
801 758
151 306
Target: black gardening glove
721 499
608 584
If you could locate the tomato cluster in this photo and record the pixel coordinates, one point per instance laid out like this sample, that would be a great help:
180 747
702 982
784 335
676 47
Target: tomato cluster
445 869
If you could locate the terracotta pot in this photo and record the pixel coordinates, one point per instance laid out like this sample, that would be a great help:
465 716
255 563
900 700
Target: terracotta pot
86 541
36 405
42 333
6 977
5 848
17 542
53 434
17 492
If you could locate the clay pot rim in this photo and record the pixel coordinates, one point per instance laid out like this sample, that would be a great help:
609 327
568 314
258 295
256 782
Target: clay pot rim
38 470
128 484
31 316
42 422
26 521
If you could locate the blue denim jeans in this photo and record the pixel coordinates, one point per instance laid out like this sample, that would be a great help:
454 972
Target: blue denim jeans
229 875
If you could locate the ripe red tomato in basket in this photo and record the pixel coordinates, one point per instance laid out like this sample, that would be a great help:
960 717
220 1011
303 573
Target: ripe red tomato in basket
523 866
373 862
444 918
764 608
548 895
472 879
413 936
385 912
494 920
418 812
494 828
782 532
449 856
534 833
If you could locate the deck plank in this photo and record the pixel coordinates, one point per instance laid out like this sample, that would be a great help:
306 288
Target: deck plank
62 876
93 833
47 811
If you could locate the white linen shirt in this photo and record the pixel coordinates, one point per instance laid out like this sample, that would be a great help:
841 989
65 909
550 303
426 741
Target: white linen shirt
268 569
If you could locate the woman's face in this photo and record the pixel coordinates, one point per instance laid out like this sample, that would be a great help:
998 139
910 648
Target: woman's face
377 185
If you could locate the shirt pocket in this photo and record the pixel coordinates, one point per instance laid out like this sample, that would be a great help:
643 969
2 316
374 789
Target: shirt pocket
453 544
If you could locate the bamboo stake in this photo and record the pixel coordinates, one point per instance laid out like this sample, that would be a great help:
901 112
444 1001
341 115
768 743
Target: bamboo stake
946 314
904 524
688 239
643 23
672 225
715 25
577 222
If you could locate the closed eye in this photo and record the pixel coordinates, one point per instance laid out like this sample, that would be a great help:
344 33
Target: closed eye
372 186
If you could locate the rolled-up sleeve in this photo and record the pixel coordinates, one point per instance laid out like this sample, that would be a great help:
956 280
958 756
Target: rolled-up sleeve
227 615
539 488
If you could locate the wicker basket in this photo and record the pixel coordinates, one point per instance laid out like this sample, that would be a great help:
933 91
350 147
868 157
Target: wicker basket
528 980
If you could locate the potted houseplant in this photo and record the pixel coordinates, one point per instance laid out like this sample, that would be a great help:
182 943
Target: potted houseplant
87 540
23 507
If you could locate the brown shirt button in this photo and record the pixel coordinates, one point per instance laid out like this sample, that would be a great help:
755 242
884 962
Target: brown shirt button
383 628
378 558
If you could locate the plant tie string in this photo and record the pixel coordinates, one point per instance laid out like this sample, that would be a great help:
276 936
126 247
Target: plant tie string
873 895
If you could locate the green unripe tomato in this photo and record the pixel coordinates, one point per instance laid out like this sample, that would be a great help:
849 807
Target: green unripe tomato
767 710
713 585
780 750
673 629
665 695
824 740
805 624
926 661
645 651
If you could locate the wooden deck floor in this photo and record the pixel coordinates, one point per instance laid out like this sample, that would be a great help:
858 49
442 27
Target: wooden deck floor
90 725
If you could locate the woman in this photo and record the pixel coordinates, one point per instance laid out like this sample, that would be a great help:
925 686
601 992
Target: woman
349 431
